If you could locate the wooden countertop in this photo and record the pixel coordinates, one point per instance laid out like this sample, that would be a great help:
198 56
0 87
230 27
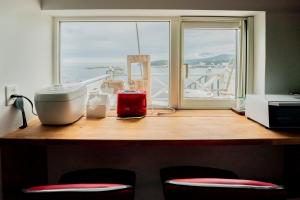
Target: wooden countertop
199 127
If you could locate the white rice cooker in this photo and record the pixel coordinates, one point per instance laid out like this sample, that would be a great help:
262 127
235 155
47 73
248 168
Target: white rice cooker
61 104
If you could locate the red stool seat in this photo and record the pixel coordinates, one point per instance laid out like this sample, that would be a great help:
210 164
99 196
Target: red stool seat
223 183
100 187
90 184
204 183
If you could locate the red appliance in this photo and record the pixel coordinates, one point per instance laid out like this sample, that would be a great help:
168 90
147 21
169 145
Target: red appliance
131 103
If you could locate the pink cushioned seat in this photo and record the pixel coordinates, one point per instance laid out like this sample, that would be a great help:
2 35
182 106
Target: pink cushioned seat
100 187
205 183
219 182
87 184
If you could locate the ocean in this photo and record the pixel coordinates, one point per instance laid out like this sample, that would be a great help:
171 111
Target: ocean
160 78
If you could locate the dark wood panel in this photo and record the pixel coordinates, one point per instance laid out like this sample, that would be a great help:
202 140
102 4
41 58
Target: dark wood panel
292 170
22 166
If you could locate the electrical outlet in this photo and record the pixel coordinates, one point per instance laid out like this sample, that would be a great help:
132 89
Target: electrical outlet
10 90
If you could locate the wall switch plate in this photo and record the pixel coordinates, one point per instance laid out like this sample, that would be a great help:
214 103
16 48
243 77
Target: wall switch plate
10 90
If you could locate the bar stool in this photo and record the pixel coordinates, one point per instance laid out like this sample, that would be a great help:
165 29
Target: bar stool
90 184
203 183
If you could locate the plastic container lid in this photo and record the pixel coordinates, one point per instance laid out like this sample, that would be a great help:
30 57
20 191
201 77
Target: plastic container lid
61 92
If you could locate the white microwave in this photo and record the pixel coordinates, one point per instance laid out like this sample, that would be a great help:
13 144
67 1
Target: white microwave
274 111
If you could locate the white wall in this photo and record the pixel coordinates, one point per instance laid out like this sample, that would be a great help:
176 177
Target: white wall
25 54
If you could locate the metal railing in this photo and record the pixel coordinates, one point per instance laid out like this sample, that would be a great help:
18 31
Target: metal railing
96 79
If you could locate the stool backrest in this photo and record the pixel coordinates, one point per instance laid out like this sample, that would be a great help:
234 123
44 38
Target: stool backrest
194 172
106 175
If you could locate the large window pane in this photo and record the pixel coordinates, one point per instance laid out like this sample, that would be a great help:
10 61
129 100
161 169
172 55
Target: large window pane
93 49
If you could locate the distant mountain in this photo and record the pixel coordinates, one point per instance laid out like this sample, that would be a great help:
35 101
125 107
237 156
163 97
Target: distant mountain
159 62
219 59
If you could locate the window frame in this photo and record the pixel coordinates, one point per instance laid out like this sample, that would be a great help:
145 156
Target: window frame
175 54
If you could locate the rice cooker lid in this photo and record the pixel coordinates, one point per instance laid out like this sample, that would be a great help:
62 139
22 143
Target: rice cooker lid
61 93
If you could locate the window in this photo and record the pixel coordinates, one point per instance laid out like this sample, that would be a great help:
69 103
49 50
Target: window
92 49
208 54
211 62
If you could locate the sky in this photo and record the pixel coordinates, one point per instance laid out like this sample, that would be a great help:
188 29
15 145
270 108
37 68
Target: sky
111 42
107 42
202 43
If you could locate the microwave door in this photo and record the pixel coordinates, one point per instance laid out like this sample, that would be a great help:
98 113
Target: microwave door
284 114
284 103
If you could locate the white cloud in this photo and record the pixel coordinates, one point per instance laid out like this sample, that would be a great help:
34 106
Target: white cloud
112 41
